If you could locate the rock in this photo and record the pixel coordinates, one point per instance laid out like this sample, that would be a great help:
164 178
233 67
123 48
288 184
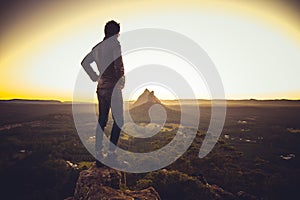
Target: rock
104 183
245 196
221 193
69 198
99 177
201 178
146 194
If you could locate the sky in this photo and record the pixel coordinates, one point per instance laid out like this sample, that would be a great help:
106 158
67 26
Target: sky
254 45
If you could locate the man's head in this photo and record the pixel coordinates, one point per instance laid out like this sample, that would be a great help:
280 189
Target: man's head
111 28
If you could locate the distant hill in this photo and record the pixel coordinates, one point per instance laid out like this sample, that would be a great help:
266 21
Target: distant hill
31 101
146 97
140 109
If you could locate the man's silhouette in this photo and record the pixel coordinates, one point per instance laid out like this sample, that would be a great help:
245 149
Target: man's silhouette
111 80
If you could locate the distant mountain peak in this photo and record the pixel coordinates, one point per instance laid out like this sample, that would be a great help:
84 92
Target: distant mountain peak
146 97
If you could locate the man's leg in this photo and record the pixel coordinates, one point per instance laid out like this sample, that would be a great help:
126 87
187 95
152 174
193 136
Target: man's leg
104 106
117 113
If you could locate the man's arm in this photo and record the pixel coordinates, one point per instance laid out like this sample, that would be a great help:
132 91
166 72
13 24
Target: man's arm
118 64
86 64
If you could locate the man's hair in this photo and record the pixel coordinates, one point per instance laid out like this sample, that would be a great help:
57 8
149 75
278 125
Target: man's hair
111 28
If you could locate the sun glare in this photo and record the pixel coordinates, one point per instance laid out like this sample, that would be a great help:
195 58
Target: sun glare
256 50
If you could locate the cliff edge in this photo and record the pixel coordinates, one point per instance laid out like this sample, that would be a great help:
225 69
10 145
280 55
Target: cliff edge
104 183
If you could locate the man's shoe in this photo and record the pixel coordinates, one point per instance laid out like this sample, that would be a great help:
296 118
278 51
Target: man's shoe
111 155
113 159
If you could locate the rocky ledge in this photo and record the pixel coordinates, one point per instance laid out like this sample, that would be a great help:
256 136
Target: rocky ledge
104 183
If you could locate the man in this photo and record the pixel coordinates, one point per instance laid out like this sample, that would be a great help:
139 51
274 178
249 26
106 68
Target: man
111 80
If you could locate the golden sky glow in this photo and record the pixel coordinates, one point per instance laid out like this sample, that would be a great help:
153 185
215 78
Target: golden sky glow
41 50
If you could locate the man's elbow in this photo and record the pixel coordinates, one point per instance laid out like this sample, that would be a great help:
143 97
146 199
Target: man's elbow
86 61
83 63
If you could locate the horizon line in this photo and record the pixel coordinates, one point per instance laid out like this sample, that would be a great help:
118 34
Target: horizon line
187 99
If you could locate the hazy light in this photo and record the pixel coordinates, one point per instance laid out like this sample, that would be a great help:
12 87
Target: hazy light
255 59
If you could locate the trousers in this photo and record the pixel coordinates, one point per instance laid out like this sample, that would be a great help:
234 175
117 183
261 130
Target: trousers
109 99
